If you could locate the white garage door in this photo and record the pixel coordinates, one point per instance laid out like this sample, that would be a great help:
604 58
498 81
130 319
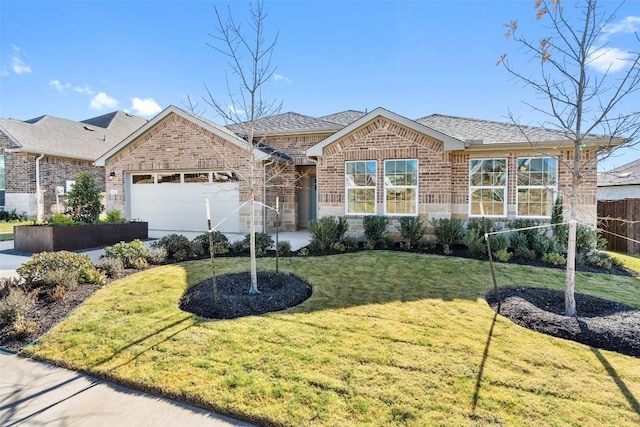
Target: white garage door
176 200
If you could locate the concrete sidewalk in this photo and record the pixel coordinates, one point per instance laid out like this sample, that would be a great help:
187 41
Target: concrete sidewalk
34 393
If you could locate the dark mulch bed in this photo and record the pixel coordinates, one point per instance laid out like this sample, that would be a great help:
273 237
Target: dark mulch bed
600 323
276 292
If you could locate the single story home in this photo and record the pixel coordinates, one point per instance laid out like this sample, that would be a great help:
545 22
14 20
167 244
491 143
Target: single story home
620 183
347 164
39 157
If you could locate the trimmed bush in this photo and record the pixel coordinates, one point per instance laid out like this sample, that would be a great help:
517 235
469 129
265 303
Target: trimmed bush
127 252
448 232
112 266
412 230
326 231
35 271
601 260
200 244
284 248
375 228
502 255
238 247
263 242
61 219
157 256
554 258
473 239
178 247
115 217
83 200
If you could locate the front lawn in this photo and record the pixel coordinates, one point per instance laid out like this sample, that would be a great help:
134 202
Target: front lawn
6 229
387 338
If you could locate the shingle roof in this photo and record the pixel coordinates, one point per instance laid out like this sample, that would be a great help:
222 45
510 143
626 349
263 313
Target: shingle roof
488 132
288 123
628 174
344 117
85 140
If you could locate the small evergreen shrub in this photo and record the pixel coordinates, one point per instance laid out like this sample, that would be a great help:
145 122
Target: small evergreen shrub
303 251
326 231
11 216
178 247
502 255
498 242
473 239
263 242
61 219
412 230
127 252
156 256
35 271
448 232
524 253
350 243
560 230
601 260
588 240
200 244
238 247
83 200
375 227
554 258
111 265
115 217
284 248
338 247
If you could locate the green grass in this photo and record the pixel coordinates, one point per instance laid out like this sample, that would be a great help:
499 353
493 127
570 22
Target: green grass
629 261
6 229
386 339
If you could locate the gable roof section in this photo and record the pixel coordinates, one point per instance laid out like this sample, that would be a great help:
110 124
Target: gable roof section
449 143
628 174
287 123
344 117
59 137
210 126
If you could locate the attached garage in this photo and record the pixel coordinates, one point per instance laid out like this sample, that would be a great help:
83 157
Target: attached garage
176 200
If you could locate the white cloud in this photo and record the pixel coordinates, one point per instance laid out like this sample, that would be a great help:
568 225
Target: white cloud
237 111
60 87
18 66
84 90
627 25
609 59
4 72
280 77
145 107
102 101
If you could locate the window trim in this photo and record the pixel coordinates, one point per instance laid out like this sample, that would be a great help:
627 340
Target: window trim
504 187
414 187
361 187
553 188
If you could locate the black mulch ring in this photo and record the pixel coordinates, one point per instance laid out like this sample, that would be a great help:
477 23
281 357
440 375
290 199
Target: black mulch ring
600 323
277 292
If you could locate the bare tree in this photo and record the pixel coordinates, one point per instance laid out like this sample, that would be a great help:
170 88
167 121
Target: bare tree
248 57
579 100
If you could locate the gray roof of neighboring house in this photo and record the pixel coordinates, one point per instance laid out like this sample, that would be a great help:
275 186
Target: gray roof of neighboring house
85 140
476 131
344 117
287 123
628 174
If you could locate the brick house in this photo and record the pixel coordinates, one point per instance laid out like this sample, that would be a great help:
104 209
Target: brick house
348 164
42 154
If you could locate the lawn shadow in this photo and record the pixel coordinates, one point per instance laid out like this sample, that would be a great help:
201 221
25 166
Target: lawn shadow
485 355
633 401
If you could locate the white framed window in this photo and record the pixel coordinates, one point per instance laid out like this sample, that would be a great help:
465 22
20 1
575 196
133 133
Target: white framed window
537 184
401 187
360 187
488 187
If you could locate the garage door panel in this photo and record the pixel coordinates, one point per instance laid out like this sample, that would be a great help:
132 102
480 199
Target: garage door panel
181 207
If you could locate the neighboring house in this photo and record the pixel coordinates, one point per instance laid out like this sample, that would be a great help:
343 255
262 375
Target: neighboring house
620 183
38 156
348 164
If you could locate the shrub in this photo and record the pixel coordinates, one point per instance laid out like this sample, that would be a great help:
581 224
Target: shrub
60 277
127 252
8 283
140 263
473 239
157 256
554 258
412 230
350 243
524 254
200 244
498 242
83 200
11 216
178 247
588 240
35 271
303 251
61 219
601 260
112 266
502 255
16 304
115 217
238 247
448 232
375 227
263 242
560 231
325 231
284 248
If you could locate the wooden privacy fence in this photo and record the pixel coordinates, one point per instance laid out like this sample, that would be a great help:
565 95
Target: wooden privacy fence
622 218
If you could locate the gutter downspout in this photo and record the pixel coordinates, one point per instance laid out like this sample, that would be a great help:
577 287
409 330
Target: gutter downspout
38 201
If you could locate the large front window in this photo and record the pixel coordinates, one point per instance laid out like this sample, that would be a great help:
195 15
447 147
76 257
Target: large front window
537 184
488 187
401 187
360 186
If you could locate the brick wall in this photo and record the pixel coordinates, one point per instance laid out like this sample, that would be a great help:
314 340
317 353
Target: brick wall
296 145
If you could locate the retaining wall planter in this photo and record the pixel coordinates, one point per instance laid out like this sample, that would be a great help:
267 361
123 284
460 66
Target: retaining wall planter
49 238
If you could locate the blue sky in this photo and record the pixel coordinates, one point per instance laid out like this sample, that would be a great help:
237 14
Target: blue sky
80 59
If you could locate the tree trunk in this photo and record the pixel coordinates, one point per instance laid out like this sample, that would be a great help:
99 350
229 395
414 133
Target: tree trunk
569 293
